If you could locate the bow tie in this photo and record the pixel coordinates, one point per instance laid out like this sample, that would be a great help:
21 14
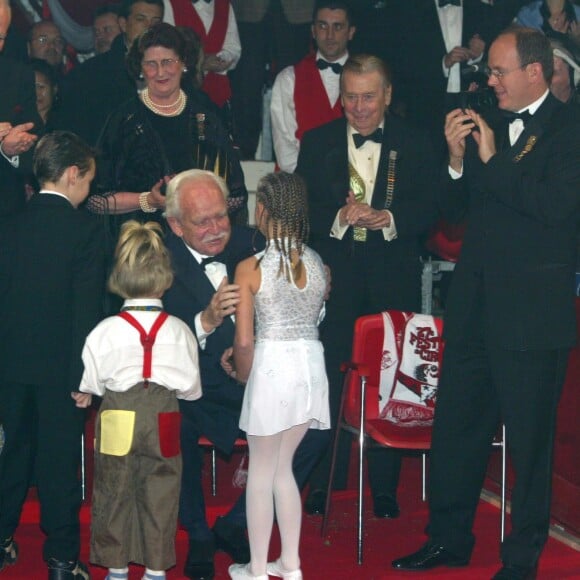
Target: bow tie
324 64
524 116
360 140
196 1
443 3
210 260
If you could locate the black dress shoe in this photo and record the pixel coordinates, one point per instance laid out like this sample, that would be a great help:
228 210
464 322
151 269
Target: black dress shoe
59 570
315 503
384 506
429 556
513 572
199 563
232 540
8 553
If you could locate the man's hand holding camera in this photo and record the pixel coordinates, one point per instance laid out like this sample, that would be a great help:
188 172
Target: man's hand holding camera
458 125
473 51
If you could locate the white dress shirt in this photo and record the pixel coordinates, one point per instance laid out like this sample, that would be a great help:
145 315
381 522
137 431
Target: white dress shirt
366 162
113 355
232 48
451 22
215 271
283 111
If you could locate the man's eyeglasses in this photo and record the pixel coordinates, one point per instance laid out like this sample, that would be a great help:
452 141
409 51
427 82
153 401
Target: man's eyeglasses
499 74
44 40
165 64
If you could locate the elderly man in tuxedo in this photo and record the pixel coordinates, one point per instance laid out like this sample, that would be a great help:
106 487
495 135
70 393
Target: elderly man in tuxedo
370 180
205 250
509 321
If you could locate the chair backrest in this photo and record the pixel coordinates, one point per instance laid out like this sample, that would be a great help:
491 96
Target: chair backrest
403 352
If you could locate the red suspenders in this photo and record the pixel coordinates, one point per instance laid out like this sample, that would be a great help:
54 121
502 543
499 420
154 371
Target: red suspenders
147 340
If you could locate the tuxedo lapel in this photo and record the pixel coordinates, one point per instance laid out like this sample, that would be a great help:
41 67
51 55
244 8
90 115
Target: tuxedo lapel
390 144
189 271
336 164
534 129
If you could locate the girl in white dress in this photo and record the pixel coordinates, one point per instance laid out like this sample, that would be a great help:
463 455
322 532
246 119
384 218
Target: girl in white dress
281 289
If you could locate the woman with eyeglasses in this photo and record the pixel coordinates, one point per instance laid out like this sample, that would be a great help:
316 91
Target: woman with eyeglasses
169 127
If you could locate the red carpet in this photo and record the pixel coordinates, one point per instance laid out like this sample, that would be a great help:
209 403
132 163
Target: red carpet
334 557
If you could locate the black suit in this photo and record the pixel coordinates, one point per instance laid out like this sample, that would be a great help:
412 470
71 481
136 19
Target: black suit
17 105
421 83
93 90
375 275
216 415
51 282
509 324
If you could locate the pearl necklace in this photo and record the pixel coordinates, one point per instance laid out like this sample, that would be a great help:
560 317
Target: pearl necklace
160 109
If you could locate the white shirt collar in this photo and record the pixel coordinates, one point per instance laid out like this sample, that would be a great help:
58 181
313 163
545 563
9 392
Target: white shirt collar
142 302
51 192
340 60
536 104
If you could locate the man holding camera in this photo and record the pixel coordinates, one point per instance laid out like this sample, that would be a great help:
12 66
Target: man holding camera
509 321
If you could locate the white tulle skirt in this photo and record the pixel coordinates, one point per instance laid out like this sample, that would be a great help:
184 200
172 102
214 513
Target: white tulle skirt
287 386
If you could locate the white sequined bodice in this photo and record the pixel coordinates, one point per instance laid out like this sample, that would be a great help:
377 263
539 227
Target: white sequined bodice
284 311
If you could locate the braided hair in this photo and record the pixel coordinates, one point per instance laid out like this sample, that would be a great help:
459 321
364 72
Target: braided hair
285 220
142 267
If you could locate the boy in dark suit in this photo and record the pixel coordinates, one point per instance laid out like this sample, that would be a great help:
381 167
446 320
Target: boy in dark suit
51 281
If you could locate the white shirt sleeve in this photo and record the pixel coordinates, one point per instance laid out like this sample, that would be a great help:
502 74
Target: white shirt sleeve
90 382
200 332
232 48
284 124
14 160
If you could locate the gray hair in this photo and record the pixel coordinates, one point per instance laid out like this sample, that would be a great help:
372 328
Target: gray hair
175 186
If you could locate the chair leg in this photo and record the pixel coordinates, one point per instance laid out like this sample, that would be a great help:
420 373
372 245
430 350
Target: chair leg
503 483
424 476
361 450
213 472
83 473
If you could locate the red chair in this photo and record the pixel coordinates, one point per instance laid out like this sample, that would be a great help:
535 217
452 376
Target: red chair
206 443
389 393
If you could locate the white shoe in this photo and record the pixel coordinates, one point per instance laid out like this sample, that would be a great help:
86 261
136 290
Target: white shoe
276 569
242 572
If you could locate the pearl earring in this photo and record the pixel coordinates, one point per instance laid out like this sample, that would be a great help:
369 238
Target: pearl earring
141 75
184 69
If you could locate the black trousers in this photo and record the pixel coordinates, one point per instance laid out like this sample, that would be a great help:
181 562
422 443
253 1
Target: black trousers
482 385
43 431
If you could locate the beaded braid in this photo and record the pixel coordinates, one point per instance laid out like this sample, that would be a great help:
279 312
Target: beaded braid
284 198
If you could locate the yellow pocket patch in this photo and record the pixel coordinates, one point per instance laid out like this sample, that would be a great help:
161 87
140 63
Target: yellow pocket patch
117 429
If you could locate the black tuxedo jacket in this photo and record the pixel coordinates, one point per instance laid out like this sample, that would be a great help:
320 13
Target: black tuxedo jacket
17 105
51 283
421 83
91 91
519 250
394 267
217 413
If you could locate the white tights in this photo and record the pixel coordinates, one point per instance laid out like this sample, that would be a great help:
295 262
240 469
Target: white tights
270 485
